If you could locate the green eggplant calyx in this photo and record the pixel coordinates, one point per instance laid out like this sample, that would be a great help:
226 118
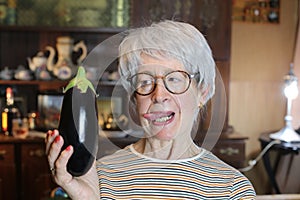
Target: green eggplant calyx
81 82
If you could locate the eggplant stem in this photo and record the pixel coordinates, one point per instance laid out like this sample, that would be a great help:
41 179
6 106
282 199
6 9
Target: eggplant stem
81 82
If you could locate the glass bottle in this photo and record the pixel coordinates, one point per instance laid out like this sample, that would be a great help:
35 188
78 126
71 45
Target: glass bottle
9 112
3 10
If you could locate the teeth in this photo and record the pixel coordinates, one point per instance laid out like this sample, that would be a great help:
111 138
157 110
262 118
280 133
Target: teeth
163 119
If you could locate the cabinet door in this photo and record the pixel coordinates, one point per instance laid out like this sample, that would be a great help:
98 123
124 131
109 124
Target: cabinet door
36 178
8 188
231 151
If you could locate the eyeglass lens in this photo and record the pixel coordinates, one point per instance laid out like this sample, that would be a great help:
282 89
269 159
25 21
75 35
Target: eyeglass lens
176 82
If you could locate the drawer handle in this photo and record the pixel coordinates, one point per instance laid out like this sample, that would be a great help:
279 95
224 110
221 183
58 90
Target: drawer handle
37 153
229 151
2 152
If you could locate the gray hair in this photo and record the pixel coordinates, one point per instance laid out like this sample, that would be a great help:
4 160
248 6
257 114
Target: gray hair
172 39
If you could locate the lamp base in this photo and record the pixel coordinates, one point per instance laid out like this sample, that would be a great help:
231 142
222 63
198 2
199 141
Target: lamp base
286 134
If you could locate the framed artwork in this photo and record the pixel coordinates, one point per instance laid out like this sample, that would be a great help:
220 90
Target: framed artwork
49 107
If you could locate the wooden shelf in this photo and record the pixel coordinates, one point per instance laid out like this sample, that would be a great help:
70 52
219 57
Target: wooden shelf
42 85
254 11
111 30
52 84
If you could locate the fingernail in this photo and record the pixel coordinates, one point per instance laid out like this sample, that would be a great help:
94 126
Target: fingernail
69 148
52 133
57 138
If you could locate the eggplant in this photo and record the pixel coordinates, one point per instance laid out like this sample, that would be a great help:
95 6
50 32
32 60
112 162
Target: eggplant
78 123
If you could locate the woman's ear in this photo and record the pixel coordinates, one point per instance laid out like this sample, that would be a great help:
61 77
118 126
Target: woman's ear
203 96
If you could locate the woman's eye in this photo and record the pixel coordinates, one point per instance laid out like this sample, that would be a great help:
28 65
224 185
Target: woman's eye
174 80
144 83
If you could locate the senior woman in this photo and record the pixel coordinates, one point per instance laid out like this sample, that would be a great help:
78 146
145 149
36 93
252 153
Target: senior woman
168 71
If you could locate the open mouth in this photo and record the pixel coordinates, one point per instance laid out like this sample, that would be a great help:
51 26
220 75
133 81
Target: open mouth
159 118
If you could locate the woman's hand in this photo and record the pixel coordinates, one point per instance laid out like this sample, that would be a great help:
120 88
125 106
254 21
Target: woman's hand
83 187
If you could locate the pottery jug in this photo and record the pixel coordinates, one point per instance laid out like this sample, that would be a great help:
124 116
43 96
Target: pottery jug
64 68
38 61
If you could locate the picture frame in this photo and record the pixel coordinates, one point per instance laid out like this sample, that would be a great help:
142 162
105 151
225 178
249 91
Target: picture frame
49 107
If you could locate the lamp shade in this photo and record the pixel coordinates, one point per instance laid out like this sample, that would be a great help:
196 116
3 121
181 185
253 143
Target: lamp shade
291 90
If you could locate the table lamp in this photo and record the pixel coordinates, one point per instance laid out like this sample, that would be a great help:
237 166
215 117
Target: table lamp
288 134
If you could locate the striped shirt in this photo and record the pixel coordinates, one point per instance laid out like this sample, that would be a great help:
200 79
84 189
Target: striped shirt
128 174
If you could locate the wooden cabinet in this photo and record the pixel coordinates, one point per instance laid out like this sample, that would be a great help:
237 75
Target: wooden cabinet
230 146
212 18
8 174
24 171
231 149
36 179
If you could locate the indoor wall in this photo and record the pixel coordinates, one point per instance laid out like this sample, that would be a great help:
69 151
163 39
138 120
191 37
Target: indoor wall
260 57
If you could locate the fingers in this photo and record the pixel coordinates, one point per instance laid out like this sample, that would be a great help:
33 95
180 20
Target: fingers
49 139
53 147
61 175
77 188
57 158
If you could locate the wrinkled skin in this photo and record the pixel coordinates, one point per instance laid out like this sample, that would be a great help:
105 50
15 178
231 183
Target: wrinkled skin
82 187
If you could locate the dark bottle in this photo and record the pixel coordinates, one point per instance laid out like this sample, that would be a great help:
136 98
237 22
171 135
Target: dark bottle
78 125
9 113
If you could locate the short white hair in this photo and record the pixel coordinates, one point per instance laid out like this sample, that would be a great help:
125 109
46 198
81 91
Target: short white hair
164 39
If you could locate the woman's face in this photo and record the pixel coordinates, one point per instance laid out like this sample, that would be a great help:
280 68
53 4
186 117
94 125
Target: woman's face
162 114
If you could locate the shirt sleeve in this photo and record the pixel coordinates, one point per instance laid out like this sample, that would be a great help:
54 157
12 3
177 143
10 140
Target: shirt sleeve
242 188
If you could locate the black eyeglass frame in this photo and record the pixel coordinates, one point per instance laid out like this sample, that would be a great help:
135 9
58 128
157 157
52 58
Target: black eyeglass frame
190 76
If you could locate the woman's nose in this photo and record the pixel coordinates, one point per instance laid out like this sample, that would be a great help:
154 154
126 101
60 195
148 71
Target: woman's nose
160 93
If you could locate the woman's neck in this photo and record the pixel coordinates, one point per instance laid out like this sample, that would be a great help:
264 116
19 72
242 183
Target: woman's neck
167 150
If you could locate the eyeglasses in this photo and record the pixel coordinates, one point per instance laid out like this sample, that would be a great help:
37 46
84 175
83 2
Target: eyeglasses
176 82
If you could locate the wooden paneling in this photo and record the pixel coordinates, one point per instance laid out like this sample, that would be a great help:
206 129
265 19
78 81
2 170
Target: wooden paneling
212 18
24 170
16 47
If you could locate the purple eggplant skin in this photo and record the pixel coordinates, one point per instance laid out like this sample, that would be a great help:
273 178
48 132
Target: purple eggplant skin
79 127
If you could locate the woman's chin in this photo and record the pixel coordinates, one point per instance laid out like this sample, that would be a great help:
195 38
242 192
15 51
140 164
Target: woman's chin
163 135
162 132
